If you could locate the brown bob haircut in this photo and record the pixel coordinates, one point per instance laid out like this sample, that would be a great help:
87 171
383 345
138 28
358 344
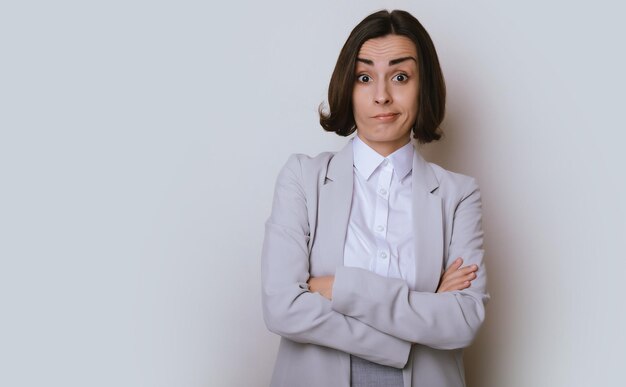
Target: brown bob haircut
432 88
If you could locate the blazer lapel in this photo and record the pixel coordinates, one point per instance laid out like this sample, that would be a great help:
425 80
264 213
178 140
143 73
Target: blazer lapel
335 200
428 226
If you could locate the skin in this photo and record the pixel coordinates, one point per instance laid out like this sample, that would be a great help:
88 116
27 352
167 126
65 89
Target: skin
384 96
384 100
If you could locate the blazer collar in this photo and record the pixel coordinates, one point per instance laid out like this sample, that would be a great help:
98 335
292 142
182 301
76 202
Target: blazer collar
367 160
335 201
423 175
341 167
428 226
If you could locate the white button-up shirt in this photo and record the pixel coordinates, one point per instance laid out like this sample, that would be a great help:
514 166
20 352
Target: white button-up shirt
380 229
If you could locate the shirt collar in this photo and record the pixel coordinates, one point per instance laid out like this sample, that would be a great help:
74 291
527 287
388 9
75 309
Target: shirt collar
366 159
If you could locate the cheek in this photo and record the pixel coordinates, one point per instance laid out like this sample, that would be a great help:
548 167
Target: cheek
409 102
358 103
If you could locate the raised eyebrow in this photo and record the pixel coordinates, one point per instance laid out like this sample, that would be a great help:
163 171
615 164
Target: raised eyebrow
400 60
391 62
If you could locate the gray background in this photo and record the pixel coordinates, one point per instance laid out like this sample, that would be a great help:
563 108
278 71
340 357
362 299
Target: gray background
139 145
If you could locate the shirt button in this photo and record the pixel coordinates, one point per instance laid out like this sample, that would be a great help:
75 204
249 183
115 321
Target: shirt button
382 191
379 228
385 162
383 255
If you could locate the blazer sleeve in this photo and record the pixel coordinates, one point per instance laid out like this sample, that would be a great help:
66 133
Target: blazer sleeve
289 309
446 320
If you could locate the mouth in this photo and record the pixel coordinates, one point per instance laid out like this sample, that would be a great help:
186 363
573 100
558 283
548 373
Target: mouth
386 116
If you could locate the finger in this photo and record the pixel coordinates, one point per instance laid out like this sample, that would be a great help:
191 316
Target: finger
461 285
466 279
454 286
468 269
464 271
457 285
456 264
457 281
453 267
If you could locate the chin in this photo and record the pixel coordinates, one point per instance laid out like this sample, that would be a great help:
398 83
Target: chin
381 136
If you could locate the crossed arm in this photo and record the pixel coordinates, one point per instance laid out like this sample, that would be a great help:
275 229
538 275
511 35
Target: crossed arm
359 312
454 278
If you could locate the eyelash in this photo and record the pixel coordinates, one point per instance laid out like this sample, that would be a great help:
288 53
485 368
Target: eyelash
358 77
406 77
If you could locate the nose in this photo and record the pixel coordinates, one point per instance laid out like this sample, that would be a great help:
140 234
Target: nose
382 96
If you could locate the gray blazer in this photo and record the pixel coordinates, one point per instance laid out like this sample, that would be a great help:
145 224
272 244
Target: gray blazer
377 318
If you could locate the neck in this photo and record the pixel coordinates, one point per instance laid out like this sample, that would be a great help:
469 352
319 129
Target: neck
385 148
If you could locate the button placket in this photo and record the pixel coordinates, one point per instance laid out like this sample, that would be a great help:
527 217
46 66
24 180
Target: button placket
381 217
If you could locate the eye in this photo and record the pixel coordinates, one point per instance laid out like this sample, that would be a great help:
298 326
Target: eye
363 78
401 77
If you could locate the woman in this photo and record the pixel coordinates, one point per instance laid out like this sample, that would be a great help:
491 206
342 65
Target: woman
357 240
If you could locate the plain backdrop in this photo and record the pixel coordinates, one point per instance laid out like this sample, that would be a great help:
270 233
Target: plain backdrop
140 142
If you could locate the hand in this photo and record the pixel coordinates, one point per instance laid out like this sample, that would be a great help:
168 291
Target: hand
457 277
322 285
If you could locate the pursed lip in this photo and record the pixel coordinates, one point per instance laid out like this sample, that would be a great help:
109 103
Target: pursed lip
383 116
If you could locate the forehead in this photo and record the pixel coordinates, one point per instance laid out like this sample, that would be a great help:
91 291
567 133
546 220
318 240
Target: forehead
387 47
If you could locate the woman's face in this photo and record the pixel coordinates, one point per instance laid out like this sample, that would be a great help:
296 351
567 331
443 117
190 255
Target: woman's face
384 97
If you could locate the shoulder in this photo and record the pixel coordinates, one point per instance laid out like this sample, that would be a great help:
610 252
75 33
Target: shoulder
307 167
300 160
301 175
453 183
